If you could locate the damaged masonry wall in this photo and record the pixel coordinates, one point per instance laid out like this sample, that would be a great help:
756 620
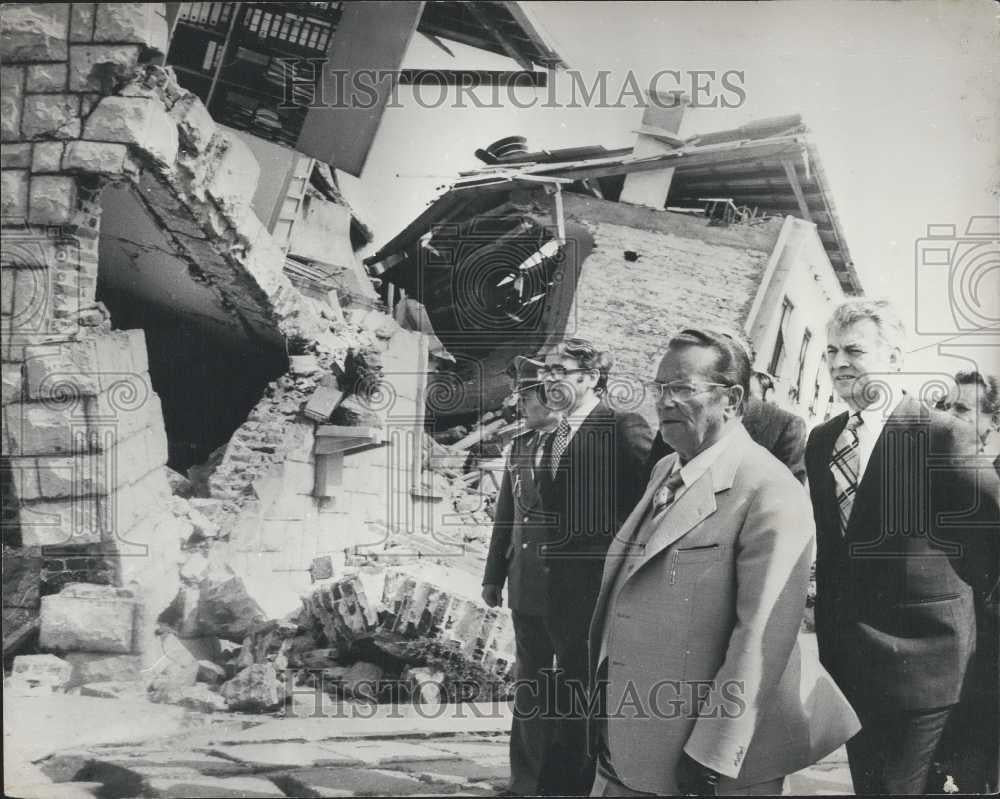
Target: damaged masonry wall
86 493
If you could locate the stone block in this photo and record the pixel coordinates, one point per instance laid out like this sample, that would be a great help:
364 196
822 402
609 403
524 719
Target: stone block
15 156
11 95
88 618
53 370
234 178
126 404
34 32
59 523
130 503
52 200
47 156
98 67
139 23
95 158
140 121
40 673
211 673
81 22
36 429
256 688
91 667
46 78
14 194
78 475
194 124
51 116
225 608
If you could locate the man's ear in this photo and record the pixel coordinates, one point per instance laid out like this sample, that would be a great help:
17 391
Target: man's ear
896 358
736 398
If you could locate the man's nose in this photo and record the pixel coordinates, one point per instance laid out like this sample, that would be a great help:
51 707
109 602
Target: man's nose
839 359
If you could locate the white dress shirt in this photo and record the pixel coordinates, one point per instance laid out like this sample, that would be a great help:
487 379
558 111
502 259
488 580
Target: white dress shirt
868 432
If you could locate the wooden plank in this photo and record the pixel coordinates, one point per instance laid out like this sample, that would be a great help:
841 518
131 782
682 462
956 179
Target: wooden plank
505 44
793 179
323 403
370 36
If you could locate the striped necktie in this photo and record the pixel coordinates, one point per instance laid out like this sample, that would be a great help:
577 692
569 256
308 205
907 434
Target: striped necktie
665 493
845 464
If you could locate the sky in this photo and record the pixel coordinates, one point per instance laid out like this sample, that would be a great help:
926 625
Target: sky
901 99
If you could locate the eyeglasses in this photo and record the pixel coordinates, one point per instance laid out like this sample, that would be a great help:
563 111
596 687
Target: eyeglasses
678 391
559 372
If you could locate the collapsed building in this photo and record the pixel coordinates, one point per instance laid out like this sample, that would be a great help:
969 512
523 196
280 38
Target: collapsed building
228 440
213 431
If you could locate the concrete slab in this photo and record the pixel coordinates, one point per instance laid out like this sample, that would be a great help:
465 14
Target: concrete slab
348 782
365 721
286 754
498 750
42 725
194 784
384 752
496 774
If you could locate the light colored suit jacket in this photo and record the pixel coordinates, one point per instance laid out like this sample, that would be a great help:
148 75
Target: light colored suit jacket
702 641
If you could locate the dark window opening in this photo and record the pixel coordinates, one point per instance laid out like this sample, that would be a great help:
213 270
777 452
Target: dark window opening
778 356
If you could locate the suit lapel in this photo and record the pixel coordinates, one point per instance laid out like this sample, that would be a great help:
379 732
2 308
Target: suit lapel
697 502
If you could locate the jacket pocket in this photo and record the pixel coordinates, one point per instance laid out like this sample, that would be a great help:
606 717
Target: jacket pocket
682 556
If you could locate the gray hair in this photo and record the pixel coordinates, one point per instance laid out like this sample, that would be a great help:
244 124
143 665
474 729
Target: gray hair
890 327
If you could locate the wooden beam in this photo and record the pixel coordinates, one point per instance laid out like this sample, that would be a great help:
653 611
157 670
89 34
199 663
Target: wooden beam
503 41
800 198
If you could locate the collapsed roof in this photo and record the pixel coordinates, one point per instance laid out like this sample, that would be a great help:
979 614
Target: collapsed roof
769 165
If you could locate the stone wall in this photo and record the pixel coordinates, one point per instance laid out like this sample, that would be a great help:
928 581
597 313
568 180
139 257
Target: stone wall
684 273
84 442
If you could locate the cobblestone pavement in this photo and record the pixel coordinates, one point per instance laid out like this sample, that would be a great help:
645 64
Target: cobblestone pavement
260 756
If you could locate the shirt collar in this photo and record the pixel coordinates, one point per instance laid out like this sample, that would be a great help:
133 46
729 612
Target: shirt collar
874 420
703 461
576 418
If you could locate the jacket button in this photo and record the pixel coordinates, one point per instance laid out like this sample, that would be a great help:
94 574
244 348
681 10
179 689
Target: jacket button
544 548
524 518
524 546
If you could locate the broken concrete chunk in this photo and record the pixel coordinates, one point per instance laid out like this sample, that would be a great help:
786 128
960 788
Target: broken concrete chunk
39 674
202 698
91 667
209 672
256 688
425 685
88 618
225 609
363 680
342 610
180 486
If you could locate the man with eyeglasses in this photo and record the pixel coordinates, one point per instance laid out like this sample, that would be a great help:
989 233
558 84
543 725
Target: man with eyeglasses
780 432
586 477
694 639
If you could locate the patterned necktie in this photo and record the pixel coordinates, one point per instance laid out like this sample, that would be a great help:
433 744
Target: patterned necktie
665 493
845 463
559 442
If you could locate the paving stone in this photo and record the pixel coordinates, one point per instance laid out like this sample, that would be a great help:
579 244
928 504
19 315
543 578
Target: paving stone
383 752
207 764
186 785
286 754
474 750
469 770
348 782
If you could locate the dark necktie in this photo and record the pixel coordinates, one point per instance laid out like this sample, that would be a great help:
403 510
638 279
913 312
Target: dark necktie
557 443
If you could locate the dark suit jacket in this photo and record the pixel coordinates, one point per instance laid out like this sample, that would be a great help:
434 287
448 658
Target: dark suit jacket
894 595
550 535
780 432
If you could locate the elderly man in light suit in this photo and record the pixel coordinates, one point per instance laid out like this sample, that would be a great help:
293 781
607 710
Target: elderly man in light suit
703 687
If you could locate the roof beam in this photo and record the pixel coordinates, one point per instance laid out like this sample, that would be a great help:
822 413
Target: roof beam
503 41
800 198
